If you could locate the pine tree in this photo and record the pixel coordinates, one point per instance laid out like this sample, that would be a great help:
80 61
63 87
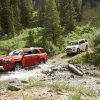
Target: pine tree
62 10
41 14
0 15
26 12
67 14
78 4
7 22
16 14
52 22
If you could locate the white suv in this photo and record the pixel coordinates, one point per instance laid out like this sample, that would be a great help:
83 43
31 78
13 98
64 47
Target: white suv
77 46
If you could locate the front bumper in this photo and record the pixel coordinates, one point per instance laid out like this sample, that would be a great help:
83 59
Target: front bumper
70 51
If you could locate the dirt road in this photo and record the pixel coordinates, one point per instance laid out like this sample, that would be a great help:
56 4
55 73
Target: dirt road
55 69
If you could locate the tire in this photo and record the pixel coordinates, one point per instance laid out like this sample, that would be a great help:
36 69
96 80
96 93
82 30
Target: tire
42 61
86 48
17 66
68 54
78 51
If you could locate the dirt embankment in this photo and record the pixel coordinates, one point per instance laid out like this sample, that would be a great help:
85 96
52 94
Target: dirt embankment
56 69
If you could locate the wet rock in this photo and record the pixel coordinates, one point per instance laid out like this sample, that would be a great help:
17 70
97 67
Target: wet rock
98 82
72 76
12 82
25 82
48 71
13 88
96 73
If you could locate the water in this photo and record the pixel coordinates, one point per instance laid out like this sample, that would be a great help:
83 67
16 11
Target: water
34 71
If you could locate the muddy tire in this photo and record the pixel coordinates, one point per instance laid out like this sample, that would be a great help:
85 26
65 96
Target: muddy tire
78 51
68 54
42 61
17 66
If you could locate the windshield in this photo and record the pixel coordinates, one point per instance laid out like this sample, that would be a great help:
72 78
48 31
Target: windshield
15 52
74 43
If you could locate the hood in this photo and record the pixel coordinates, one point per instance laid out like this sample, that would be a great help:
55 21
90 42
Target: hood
72 46
11 57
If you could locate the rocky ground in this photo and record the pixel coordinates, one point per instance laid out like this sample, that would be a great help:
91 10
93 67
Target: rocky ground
55 69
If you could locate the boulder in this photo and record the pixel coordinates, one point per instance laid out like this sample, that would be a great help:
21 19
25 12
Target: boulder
13 88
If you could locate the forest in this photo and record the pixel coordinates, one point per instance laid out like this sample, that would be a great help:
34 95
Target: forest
48 23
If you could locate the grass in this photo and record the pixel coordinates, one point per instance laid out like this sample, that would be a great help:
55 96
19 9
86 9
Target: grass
75 97
27 97
59 86
92 15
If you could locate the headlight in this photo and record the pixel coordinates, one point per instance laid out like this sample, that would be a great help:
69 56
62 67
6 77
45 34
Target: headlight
7 59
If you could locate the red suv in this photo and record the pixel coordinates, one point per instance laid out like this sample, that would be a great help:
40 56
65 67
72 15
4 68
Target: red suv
21 58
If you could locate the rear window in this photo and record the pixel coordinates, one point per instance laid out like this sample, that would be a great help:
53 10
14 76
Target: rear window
28 51
42 50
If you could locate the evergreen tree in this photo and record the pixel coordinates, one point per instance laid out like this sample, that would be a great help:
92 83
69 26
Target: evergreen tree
78 4
62 10
0 15
26 12
30 40
52 22
67 14
7 22
16 14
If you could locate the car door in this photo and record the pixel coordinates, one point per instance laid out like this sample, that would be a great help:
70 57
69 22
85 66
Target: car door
27 58
82 45
35 56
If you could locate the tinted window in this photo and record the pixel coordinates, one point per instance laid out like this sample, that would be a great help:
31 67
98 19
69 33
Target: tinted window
42 50
28 51
74 43
82 42
35 51
15 52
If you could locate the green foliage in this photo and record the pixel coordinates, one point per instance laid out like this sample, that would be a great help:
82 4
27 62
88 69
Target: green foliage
52 22
27 97
7 21
81 32
49 98
87 58
59 86
20 41
75 97
26 12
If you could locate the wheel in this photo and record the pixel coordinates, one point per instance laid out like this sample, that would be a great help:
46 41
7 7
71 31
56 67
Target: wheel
86 48
42 61
17 66
68 54
78 51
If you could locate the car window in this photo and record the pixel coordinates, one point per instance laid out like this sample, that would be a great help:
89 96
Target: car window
42 50
74 43
81 42
35 51
15 52
28 52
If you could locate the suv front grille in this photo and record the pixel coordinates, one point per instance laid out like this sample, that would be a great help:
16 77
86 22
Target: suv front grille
68 49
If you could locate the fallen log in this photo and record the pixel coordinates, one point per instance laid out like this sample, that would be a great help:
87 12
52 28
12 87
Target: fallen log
73 69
